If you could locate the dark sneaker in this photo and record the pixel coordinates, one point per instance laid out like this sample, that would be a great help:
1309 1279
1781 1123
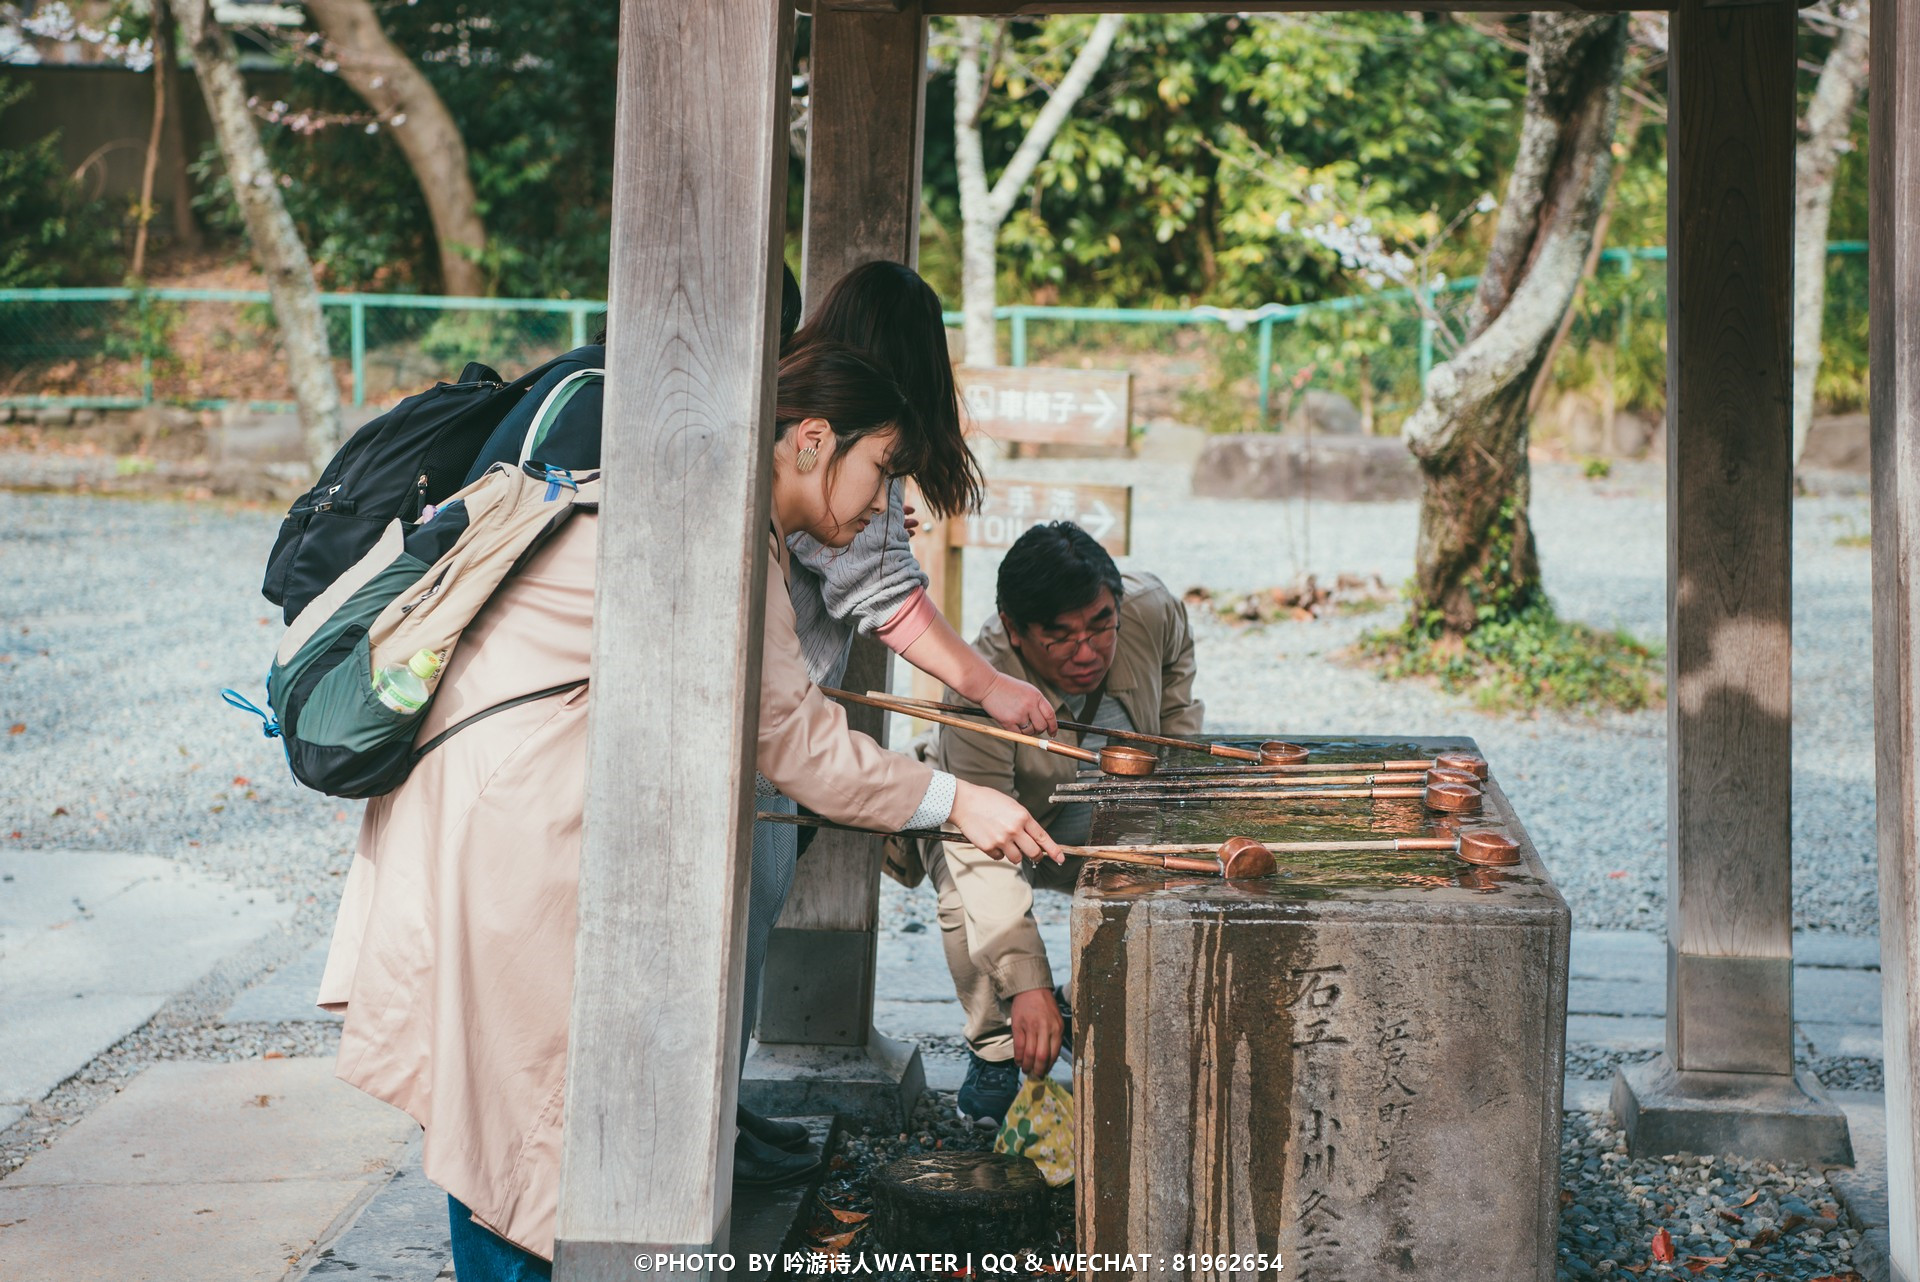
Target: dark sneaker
790 1136
1066 1024
988 1092
759 1163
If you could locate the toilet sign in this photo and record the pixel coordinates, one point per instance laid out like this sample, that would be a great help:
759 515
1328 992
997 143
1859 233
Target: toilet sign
1012 508
1031 404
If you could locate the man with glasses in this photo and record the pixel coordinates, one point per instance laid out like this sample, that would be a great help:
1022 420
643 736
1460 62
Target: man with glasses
1109 650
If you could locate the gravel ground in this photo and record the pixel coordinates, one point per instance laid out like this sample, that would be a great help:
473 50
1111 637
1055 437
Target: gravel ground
120 621
1736 1219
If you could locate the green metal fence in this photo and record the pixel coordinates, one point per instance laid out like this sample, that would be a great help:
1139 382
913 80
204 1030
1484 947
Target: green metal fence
111 348
1221 368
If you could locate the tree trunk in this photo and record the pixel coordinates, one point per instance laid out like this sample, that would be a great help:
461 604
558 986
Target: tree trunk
1476 549
1828 126
166 71
389 83
164 135
155 136
277 250
983 209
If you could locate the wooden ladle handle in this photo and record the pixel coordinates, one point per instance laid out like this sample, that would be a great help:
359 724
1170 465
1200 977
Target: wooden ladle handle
961 723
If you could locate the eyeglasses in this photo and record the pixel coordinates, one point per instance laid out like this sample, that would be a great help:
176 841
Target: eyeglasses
1064 647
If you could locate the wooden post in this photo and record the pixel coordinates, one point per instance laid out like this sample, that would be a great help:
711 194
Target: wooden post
818 1048
699 196
1894 249
1731 131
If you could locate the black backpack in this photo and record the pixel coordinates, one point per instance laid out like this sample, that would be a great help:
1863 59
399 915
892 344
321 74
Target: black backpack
416 453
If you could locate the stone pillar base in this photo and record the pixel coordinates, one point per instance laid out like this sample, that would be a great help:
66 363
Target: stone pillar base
1763 1115
876 1084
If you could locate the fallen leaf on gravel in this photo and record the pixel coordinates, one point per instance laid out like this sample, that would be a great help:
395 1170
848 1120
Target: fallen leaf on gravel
283 1055
1751 1199
849 1217
1635 1269
1699 1262
1839 1277
1766 1237
1663 1247
18 727
838 1242
1566 1197
1616 875
58 811
1731 1217
241 781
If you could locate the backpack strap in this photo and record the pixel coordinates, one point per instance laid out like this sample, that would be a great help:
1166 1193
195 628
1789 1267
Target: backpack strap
484 713
551 408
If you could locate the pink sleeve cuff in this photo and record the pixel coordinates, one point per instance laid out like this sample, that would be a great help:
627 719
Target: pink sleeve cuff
914 616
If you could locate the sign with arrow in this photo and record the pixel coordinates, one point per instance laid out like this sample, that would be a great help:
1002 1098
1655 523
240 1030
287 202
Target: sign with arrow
1011 509
1048 406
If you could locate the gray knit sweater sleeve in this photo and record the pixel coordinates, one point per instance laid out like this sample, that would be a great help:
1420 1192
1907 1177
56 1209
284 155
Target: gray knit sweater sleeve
861 585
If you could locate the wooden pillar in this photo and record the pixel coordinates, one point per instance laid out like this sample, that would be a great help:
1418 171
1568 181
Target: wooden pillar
1894 247
818 1048
699 196
1730 139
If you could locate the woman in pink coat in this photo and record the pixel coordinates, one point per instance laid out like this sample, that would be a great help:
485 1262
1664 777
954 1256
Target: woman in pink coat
453 955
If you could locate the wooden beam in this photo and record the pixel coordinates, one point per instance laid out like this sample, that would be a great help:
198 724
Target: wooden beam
863 202
1894 338
1729 491
699 198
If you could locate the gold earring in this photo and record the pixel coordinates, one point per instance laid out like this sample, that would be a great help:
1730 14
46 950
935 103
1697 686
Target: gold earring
804 461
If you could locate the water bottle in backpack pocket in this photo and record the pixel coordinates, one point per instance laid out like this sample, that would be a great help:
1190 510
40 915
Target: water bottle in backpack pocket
355 675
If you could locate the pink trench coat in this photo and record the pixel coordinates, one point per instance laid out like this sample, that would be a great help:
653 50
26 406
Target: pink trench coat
452 958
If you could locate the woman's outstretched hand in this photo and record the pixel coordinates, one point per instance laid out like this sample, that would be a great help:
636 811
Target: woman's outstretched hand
1001 826
1018 706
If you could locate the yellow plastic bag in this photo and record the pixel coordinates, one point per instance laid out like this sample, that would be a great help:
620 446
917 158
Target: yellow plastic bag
1039 1127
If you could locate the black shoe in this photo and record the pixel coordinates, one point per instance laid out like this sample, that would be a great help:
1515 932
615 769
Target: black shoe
790 1136
989 1091
765 1166
1066 1025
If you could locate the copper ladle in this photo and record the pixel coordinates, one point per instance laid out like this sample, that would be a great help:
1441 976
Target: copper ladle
1114 759
1234 859
1465 762
1449 798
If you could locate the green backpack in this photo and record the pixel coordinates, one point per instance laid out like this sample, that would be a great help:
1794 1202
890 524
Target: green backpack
402 606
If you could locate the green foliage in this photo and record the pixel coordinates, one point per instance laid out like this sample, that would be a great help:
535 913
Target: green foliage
49 234
144 333
1527 661
1206 143
531 87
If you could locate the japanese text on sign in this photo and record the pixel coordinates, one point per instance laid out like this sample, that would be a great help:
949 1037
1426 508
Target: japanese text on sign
1051 406
1010 510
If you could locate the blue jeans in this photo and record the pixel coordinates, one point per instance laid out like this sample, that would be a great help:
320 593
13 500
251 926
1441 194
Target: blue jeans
481 1255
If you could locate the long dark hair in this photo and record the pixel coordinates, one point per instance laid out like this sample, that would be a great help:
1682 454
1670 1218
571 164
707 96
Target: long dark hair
886 311
855 396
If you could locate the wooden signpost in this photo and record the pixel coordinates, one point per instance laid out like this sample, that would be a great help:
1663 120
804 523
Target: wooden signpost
1041 406
1044 406
1010 509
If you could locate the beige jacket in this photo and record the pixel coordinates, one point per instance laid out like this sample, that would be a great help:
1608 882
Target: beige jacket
452 958
1152 678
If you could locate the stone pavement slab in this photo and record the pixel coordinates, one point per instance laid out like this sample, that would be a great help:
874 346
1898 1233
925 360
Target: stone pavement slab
401 1236
92 944
230 1171
285 995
